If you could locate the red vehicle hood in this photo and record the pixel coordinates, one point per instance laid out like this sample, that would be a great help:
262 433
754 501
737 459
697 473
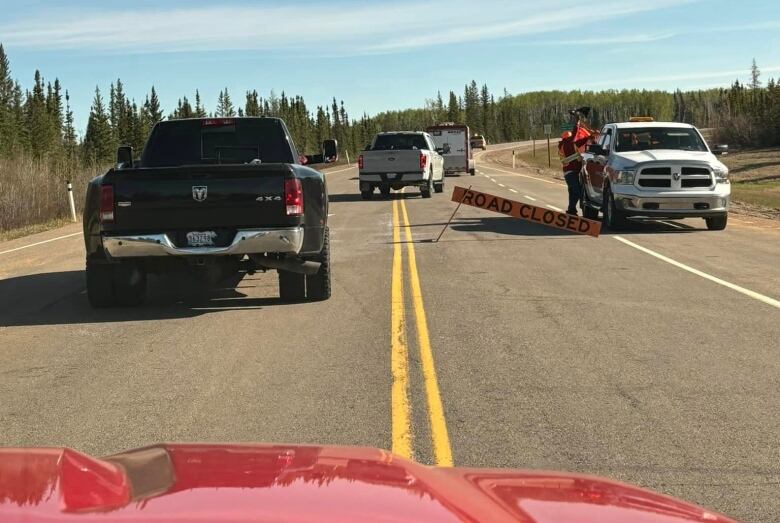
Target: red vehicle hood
297 484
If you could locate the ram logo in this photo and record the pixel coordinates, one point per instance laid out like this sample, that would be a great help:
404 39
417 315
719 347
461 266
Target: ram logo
200 193
676 176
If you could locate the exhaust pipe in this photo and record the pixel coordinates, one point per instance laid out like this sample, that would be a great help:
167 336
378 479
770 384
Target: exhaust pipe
296 265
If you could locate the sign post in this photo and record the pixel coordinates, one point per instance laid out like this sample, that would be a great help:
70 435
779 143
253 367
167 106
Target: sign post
548 132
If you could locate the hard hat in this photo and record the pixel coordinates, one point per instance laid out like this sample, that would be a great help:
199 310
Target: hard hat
565 135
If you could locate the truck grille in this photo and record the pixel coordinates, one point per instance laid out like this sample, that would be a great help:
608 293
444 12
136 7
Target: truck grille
655 182
674 177
690 183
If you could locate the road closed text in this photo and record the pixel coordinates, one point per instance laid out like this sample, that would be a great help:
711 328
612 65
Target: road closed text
527 212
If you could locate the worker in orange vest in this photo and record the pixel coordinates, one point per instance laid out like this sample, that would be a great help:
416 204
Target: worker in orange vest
570 149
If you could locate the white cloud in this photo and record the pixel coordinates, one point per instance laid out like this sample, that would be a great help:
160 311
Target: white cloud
344 28
666 79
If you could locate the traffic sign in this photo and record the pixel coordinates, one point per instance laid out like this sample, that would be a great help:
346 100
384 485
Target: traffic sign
531 213
567 127
547 129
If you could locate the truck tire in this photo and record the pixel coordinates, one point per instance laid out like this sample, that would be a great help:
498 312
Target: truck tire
366 195
292 286
100 285
425 190
318 286
473 172
614 218
385 192
717 223
129 285
439 186
588 212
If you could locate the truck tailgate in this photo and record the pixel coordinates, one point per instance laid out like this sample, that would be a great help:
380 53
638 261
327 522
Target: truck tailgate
200 197
396 161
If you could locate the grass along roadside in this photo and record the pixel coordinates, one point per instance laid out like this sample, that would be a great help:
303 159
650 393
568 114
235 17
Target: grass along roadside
33 195
28 230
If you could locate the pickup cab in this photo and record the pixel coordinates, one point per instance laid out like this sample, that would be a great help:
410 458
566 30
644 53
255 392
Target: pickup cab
208 196
650 169
395 160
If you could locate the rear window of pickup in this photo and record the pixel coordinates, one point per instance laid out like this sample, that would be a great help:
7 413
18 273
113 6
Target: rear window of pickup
217 141
391 142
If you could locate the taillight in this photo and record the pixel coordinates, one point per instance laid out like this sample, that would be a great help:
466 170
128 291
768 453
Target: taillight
107 203
293 197
423 161
360 161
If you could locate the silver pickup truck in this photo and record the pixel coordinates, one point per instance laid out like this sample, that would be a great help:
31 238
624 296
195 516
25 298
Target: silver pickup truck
654 170
401 159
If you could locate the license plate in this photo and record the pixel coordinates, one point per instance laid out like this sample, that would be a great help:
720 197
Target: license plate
392 176
201 239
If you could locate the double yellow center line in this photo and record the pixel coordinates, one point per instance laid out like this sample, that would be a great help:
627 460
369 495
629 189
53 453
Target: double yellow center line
402 434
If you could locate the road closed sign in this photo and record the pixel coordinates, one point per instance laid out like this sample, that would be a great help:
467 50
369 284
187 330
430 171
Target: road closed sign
531 213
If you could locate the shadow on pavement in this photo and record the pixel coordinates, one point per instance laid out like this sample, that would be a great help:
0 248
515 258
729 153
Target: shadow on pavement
59 298
339 198
514 227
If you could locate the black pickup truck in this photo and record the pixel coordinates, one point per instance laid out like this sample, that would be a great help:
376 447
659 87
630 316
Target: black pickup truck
209 195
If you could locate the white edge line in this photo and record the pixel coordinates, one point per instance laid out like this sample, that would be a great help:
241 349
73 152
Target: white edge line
530 197
747 292
41 243
501 185
525 176
513 190
554 208
339 171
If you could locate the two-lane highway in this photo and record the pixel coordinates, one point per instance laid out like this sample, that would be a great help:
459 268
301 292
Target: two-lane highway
651 356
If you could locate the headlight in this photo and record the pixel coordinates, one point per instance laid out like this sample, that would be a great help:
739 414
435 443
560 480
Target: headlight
624 177
721 174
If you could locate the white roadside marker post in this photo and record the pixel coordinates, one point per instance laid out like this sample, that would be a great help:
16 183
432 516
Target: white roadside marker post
513 158
71 202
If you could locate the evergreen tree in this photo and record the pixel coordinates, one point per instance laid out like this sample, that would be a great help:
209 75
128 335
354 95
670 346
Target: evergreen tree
755 76
98 140
7 123
69 143
453 109
200 111
38 119
225 107
252 105
154 110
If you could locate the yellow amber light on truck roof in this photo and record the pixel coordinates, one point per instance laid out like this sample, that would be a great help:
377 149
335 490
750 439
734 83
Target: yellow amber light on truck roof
641 119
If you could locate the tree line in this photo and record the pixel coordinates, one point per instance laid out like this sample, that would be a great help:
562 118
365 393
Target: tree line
39 122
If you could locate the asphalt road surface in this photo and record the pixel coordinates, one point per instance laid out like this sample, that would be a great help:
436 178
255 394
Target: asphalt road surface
652 356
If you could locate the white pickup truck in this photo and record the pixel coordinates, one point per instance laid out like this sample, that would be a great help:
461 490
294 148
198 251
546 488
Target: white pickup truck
653 169
401 159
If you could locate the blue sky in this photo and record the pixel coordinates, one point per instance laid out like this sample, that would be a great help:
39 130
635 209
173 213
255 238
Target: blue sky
384 55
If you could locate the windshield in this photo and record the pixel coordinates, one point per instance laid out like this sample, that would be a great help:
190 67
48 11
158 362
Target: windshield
387 142
226 141
644 139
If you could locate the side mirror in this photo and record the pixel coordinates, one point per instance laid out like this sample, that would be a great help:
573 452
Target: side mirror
596 150
367 147
721 150
440 150
124 157
330 150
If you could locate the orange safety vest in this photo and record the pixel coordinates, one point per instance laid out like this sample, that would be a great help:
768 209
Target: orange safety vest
571 147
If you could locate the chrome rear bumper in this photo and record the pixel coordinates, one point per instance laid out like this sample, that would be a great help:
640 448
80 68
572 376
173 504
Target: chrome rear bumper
247 241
